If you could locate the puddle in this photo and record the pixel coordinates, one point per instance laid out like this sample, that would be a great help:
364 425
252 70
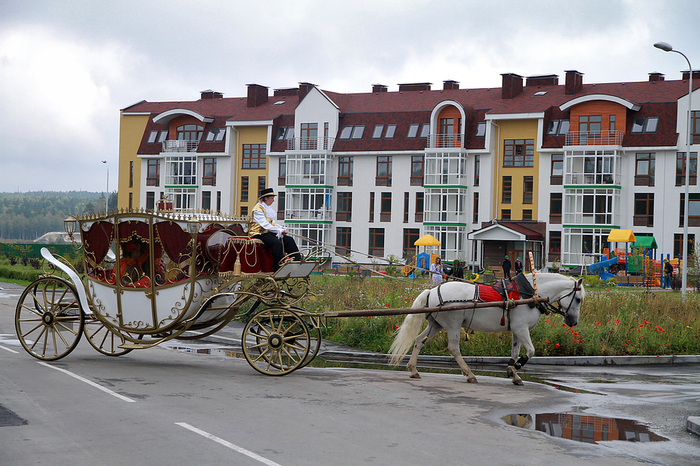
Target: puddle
218 351
585 428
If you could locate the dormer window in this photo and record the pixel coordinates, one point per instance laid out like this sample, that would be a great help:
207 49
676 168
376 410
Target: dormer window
481 129
558 127
352 132
284 132
154 136
378 129
425 131
390 131
645 125
413 131
216 135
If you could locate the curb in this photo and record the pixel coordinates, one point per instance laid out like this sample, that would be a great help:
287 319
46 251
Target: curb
693 425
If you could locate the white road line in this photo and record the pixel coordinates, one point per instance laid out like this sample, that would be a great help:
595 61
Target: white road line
237 340
8 349
230 445
91 383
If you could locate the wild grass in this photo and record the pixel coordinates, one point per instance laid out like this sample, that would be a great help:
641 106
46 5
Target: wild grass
614 321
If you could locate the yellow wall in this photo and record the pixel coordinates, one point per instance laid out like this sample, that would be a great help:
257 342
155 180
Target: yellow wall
249 135
515 129
131 128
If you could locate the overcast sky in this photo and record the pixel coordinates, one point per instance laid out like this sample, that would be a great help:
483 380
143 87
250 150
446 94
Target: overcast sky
68 67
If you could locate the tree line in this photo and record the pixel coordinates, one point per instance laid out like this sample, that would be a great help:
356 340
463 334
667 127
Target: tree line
27 216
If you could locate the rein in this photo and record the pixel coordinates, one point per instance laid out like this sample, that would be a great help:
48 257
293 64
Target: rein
555 307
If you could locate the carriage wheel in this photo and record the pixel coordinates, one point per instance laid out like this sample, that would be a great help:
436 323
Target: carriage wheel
48 318
276 341
315 335
104 339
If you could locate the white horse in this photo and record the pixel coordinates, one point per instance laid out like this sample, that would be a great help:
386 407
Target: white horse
565 297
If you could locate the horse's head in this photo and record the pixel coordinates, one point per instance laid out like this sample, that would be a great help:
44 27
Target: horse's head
571 301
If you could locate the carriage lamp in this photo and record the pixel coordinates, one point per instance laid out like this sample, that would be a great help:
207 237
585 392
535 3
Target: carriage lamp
69 226
193 227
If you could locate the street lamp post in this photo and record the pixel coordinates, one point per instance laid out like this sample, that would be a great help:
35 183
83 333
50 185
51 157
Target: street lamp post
684 273
107 193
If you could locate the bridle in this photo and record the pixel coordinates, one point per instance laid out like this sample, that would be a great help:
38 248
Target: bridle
556 307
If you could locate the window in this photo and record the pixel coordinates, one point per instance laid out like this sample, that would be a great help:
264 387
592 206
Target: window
244 211
153 172
425 130
527 214
371 207
678 244
282 175
206 200
644 169
163 136
680 168
254 156
506 189
475 209
378 129
390 131
262 184
413 131
376 242
281 205
420 197
611 124
481 129
150 200
344 211
519 153
209 176
383 171
477 168
527 190
183 198
385 208
555 205
406 197
345 165
505 214
352 132
342 240
554 246
189 133
218 201
410 236
557 127
152 137
181 171
590 124
645 125
309 136
417 170
216 135
284 132
644 210
557 175
244 189
131 201
693 209
131 174
694 125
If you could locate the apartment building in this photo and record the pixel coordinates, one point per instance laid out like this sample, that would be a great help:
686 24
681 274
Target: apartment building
532 166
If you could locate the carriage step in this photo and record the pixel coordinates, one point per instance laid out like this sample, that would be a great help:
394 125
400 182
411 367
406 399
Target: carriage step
135 346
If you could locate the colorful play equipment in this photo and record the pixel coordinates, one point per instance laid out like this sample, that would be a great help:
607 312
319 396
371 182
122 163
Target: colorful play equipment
427 249
599 268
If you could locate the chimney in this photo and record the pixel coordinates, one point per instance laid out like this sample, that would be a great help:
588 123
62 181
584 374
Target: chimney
209 94
686 74
574 82
656 76
257 95
450 84
379 88
542 80
304 89
512 85
414 87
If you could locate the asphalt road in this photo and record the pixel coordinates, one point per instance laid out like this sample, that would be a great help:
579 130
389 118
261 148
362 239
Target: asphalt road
206 408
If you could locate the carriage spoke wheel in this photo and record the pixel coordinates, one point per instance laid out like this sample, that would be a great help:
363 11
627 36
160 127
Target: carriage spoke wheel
104 339
48 318
276 341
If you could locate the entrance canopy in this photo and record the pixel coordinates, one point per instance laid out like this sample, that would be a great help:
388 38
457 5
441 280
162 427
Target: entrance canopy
646 242
427 240
621 236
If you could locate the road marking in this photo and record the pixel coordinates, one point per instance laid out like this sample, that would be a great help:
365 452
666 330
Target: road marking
8 349
237 340
91 383
230 445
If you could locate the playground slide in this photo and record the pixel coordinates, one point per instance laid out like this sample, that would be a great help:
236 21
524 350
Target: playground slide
599 267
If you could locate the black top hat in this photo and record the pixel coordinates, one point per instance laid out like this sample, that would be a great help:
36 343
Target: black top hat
267 192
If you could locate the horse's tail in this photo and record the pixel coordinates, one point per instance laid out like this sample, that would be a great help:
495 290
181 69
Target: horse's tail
408 331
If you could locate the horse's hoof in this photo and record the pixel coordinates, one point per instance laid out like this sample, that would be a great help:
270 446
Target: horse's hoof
518 381
510 372
415 376
472 380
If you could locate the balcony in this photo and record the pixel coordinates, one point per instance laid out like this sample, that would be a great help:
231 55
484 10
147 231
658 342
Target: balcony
444 141
153 181
178 145
312 144
594 138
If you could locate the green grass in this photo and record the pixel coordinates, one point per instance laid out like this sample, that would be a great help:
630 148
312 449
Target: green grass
613 321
